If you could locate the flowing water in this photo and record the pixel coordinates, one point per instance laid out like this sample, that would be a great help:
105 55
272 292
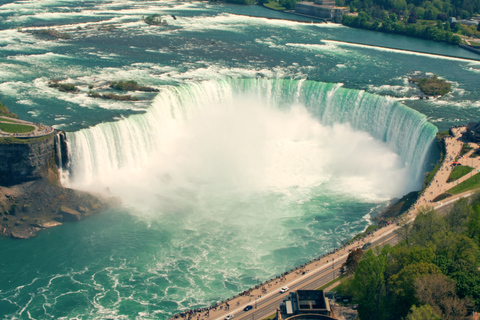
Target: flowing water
265 146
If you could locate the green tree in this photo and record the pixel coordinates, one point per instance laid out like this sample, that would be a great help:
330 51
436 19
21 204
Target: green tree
426 224
369 285
424 312
402 286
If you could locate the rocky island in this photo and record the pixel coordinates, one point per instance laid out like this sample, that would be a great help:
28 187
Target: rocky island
31 196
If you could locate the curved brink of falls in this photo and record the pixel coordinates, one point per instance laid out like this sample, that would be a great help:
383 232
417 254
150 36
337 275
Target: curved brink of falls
110 146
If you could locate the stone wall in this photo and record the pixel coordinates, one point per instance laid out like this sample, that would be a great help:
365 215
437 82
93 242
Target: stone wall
25 160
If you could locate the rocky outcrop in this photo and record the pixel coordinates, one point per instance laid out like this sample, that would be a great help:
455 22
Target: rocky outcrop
25 160
31 196
27 208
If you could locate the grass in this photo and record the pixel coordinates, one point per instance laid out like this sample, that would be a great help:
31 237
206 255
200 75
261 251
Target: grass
458 172
270 317
465 149
467 185
13 140
326 285
442 197
6 120
358 236
15 128
274 5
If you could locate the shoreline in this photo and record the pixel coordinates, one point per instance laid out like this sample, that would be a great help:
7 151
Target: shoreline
269 288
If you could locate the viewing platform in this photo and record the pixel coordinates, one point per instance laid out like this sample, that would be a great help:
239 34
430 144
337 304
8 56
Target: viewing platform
21 129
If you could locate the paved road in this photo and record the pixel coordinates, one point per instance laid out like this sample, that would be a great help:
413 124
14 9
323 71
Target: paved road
313 281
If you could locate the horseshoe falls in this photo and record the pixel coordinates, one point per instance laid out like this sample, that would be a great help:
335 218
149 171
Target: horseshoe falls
241 133
222 183
235 171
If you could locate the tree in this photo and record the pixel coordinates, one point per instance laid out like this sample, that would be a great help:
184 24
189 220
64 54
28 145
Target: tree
424 312
403 286
369 285
439 292
442 17
404 231
353 259
426 224
457 218
412 18
473 223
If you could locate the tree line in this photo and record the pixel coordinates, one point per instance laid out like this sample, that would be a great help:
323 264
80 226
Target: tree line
433 273
416 18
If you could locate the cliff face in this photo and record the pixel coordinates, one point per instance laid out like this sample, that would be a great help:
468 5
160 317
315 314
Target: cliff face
31 197
23 161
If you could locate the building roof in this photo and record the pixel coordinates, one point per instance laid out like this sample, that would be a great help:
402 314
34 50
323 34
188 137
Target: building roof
311 300
473 126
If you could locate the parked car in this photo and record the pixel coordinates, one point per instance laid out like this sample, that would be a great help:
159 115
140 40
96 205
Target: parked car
366 246
249 307
284 289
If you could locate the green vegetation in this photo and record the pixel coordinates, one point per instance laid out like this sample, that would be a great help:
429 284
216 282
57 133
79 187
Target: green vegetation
441 197
6 120
432 86
130 86
417 18
369 229
156 20
51 33
433 271
400 206
15 128
244 2
326 285
112 96
274 5
270 317
441 146
465 149
467 185
458 172
5 112
24 140
64 87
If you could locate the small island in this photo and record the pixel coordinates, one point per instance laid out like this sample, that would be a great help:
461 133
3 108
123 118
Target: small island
156 20
433 86
51 34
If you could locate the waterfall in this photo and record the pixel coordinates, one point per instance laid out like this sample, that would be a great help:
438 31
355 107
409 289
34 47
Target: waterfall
130 142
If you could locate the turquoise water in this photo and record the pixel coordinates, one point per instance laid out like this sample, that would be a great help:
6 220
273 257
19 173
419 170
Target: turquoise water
265 147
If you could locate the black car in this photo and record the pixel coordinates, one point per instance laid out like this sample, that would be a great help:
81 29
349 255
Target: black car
249 307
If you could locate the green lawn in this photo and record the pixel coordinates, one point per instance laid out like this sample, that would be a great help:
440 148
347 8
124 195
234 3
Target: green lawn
15 128
6 120
458 172
469 184
274 5
465 149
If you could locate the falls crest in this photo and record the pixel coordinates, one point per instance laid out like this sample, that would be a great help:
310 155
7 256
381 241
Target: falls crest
107 147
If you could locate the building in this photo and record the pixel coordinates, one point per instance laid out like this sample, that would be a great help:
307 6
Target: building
473 132
324 9
305 305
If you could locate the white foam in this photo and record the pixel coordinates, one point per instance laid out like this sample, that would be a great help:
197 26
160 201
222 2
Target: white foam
434 56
